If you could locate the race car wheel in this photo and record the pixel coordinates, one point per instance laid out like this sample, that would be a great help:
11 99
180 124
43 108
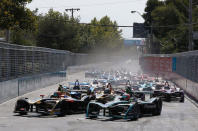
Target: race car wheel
93 111
158 109
182 99
22 113
22 106
137 112
63 106
168 98
93 117
62 113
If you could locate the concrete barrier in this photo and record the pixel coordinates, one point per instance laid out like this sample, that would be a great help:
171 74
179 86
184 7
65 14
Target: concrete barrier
8 90
190 87
13 88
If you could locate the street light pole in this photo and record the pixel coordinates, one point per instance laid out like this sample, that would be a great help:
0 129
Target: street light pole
137 12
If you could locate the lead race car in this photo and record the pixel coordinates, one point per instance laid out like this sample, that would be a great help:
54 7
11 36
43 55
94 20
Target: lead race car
123 107
59 103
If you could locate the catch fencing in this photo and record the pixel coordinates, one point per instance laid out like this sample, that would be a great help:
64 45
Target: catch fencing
24 68
19 61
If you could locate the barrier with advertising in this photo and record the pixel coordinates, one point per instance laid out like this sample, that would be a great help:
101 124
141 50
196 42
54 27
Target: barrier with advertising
156 64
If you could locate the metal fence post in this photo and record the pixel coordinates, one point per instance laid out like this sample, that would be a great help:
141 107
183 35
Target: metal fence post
25 61
33 62
18 87
8 64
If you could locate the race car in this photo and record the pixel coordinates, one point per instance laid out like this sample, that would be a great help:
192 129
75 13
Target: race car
124 107
169 94
91 74
79 86
135 93
102 82
121 81
96 83
60 104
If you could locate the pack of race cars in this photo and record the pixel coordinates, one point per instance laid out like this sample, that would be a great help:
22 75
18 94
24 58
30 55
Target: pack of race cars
116 94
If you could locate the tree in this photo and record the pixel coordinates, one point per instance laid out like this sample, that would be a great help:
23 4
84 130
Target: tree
25 37
150 6
106 34
14 13
167 16
169 20
58 31
85 39
195 27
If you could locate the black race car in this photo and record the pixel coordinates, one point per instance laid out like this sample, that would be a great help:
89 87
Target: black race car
60 104
169 94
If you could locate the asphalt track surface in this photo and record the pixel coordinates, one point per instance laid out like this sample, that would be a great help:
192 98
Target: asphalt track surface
175 117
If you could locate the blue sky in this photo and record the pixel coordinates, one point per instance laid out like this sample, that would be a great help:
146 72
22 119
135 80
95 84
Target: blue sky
118 10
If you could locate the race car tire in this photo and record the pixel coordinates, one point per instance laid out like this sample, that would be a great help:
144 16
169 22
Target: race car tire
93 111
22 103
63 106
22 113
93 117
136 116
62 113
158 109
136 113
167 98
182 99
